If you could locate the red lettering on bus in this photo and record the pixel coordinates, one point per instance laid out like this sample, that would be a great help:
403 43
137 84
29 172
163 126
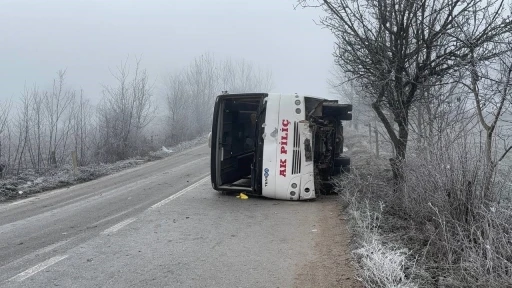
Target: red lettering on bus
284 140
284 143
282 166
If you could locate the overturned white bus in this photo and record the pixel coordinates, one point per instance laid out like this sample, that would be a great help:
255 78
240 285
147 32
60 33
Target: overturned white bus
277 146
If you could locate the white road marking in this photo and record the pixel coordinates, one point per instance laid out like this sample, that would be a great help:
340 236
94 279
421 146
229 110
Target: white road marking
186 164
118 226
107 194
32 255
53 246
29 272
108 219
174 196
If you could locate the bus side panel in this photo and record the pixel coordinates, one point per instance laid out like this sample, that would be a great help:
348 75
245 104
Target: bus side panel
270 168
290 113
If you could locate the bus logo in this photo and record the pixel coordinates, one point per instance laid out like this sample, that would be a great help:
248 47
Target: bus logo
266 176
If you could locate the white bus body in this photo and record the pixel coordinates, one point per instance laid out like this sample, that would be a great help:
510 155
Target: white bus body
275 145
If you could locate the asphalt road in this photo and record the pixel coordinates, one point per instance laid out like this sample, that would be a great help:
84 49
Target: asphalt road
162 225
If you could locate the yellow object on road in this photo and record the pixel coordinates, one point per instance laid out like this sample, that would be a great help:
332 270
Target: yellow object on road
242 196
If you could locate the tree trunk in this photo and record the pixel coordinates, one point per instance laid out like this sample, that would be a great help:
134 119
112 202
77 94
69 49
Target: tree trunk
489 168
376 141
370 135
397 162
399 141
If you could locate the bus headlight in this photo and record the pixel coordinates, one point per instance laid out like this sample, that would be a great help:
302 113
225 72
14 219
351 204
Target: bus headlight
294 185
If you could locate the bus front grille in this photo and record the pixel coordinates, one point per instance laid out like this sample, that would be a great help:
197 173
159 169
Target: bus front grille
296 149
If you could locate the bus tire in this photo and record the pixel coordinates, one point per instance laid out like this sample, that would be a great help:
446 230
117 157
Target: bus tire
341 161
337 170
339 111
328 188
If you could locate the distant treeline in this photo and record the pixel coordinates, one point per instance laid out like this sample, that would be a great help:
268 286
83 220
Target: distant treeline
43 128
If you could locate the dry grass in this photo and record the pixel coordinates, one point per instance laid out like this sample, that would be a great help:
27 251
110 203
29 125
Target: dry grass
440 232
29 182
381 262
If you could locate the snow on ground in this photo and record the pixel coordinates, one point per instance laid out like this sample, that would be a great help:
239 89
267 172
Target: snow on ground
29 182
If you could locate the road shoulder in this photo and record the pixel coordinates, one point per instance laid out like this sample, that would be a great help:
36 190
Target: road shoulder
332 264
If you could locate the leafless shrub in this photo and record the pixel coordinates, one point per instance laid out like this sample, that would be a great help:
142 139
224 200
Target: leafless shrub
471 237
453 236
178 105
190 93
39 132
46 127
125 111
4 127
450 176
57 103
381 263
239 76
476 254
398 49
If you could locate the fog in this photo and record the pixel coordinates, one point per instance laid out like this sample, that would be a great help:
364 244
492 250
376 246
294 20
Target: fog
87 38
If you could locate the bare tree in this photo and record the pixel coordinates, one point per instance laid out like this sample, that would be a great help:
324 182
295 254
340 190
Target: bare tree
349 90
143 109
56 104
81 124
393 48
178 103
23 127
190 93
125 110
5 109
202 80
490 83
4 115
242 76
38 130
441 110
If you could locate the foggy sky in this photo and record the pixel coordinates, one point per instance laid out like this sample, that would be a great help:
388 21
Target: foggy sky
87 37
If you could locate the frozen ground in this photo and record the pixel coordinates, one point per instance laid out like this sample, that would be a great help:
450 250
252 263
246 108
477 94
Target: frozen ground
29 182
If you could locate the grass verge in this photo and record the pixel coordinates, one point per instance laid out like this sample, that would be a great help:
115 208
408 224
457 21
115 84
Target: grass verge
29 182
440 232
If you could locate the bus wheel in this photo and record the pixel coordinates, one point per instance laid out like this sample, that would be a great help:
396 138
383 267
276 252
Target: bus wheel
339 111
337 170
329 188
342 161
